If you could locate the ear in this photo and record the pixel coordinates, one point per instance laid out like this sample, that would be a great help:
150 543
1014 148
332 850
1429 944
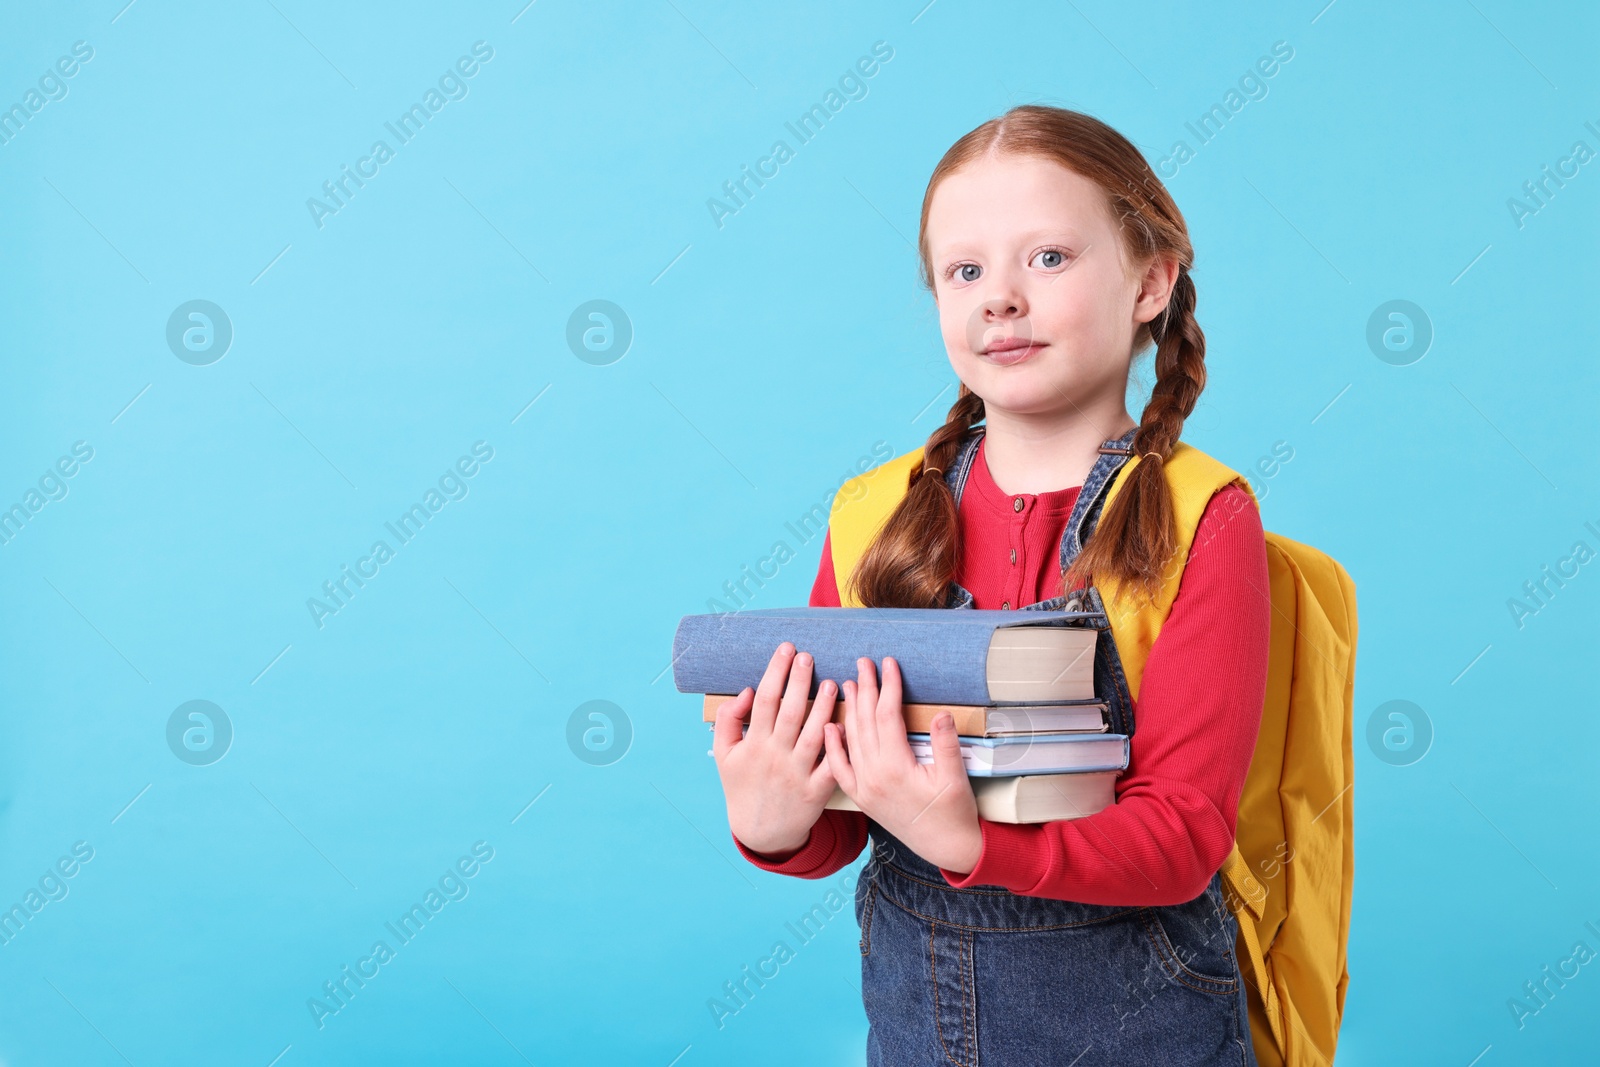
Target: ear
1155 289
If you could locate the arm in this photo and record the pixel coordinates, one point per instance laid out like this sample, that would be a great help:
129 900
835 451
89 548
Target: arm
1198 714
837 837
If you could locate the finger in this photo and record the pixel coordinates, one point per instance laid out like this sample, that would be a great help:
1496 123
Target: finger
838 761
867 704
769 690
792 708
728 726
822 710
851 733
889 721
948 769
890 714
822 778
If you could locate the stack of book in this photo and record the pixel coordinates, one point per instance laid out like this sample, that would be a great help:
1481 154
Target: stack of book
1020 686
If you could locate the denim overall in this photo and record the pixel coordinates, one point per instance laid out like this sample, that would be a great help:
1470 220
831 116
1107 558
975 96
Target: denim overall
983 977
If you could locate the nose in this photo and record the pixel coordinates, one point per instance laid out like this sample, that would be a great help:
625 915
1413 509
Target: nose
1005 299
1001 309
1004 309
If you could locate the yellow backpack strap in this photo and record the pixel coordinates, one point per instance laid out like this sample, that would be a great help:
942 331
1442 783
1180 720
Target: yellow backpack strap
1194 478
860 508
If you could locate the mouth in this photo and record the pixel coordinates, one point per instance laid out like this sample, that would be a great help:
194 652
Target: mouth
1011 350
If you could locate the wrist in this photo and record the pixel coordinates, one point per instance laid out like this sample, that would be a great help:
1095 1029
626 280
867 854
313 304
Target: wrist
972 853
777 850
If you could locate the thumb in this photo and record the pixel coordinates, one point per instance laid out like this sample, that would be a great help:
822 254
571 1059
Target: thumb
947 764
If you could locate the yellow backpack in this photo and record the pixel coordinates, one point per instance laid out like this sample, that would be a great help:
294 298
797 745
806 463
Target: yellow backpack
1288 880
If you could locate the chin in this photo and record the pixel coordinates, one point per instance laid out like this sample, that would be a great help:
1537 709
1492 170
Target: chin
1010 389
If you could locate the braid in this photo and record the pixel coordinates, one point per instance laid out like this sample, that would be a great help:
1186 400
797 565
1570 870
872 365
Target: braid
912 560
945 442
1180 371
1135 538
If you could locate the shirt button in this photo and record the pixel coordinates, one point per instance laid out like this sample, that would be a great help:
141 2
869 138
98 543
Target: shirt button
1013 555
1005 606
1017 505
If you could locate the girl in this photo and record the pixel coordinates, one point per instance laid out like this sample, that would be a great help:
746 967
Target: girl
1055 256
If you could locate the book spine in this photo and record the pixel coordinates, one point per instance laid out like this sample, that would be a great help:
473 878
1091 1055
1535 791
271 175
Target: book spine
944 664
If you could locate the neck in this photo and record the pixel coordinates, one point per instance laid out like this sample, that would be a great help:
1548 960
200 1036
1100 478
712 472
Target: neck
1031 455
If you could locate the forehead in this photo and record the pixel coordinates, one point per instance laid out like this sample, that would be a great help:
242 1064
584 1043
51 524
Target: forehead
1014 197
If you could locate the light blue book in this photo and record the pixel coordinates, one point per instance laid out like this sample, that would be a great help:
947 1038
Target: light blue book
1002 757
965 656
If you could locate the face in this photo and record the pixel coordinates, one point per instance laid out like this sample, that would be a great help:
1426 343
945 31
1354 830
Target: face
1037 308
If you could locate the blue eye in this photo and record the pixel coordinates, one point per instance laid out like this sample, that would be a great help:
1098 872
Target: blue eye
1058 254
967 272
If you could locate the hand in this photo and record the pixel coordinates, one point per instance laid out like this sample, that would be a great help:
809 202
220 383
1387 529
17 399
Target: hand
775 782
930 808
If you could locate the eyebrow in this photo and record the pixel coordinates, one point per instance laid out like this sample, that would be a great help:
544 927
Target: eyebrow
1064 236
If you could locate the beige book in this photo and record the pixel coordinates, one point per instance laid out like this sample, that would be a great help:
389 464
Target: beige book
975 720
1030 798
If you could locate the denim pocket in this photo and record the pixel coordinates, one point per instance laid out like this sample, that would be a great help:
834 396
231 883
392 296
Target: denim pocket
1194 942
864 904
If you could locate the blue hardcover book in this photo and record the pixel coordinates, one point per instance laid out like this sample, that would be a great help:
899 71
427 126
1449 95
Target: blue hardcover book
967 656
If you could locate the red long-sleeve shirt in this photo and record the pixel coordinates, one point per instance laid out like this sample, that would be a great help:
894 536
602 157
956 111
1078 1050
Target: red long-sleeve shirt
1197 715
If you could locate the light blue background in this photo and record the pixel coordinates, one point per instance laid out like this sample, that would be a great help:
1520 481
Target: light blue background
769 355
